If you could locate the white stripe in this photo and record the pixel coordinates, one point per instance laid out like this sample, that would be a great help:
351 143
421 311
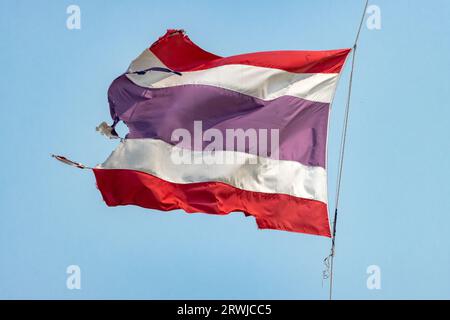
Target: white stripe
250 173
258 82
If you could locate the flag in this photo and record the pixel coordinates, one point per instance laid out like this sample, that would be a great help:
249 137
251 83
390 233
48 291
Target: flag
245 133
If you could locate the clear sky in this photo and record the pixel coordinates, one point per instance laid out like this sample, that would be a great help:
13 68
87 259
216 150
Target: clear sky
395 205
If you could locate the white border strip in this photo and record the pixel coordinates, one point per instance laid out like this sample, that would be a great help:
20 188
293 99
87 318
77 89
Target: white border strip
251 173
259 82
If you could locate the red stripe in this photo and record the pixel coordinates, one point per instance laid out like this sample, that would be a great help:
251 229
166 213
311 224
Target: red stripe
179 53
272 211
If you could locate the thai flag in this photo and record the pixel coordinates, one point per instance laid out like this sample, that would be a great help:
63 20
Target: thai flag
218 134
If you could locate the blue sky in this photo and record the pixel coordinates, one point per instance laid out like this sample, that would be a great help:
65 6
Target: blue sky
395 204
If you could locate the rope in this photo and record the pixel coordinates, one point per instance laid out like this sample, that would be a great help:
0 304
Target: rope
159 69
330 259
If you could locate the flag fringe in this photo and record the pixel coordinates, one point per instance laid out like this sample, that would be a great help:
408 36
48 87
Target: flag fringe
70 162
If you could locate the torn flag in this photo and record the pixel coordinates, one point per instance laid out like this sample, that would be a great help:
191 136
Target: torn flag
216 135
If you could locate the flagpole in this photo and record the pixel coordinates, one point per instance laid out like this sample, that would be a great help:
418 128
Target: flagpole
342 151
